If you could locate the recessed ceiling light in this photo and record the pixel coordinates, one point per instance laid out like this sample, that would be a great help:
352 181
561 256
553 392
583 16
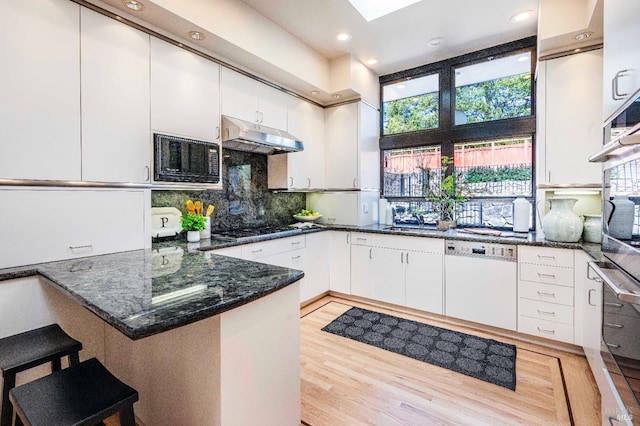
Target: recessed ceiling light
343 36
315 93
196 35
522 16
372 61
133 5
583 36
577 50
337 96
435 41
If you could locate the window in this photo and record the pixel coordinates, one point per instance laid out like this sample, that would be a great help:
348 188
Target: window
410 105
477 111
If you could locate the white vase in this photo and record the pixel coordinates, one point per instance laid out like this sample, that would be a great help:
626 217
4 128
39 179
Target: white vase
592 228
621 216
561 224
521 215
193 236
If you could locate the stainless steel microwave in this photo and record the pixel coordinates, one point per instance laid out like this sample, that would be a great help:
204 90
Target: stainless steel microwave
179 159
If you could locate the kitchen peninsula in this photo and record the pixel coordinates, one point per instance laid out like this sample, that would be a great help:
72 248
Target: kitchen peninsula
197 334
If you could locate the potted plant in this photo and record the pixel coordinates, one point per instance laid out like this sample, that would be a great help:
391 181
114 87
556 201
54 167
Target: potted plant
193 224
444 193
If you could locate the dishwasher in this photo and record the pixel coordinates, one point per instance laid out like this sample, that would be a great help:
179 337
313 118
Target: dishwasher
481 282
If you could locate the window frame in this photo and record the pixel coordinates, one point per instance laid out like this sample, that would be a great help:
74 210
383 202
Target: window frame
448 133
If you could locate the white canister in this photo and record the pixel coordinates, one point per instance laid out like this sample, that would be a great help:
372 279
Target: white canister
205 234
521 214
382 211
592 232
389 215
621 217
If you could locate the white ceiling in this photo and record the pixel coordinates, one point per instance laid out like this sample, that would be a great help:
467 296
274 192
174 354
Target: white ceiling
400 40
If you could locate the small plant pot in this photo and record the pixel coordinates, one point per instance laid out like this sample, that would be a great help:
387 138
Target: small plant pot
444 225
193 236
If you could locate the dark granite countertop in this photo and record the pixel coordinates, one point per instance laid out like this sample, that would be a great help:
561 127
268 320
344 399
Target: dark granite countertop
144 292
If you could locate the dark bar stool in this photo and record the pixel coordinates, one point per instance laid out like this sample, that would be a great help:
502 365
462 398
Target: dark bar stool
26 350
84 394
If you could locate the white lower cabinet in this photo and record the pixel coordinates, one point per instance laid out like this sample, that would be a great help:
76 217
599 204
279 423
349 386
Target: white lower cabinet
546 293
401 270
339 261
44 225
307 253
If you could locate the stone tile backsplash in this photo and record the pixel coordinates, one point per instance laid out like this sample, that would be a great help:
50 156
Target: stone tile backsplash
244 201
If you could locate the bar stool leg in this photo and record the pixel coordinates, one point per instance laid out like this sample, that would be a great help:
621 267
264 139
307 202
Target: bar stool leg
7 409
126 417
18 421
74 358
56 365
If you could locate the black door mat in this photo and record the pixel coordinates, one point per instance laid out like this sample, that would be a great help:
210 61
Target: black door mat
484 359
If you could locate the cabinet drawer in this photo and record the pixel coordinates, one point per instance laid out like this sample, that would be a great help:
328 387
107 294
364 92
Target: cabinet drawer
546 292
546 274
268 248
428 245
545 256
545 311
546 329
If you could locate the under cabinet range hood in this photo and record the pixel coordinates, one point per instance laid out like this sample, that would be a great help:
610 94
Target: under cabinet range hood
246 136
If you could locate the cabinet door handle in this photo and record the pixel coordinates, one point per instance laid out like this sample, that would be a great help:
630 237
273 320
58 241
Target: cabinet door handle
290 180
591 291
261 117
74 248
308 182
361 239
613 304
354 182
293 243
257 117
348 238
610 325
295 257
148 173
256 251
544 330
611 345
217 132
543 294
370 254
542 256
401 257
549 181
551 314
615 94
407 258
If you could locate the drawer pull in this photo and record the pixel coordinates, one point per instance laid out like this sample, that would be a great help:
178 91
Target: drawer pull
293 243
544 330
608 324
553 314
295 257
74 248
591 291
543 294
361 239
256 251
611 345
541 275
407 258
542 256
401 257
613 304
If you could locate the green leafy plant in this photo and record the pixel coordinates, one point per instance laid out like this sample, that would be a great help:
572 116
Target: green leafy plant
444 190
192 222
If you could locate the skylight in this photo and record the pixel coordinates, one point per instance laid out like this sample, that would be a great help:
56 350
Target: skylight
373 9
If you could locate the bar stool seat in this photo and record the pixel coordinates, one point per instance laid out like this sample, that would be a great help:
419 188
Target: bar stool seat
26 350
84 394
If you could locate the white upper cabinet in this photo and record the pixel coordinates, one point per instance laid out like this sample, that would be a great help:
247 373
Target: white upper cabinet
304 169
569 119
621 53
185 93
115 100
40 90
351 141
250 100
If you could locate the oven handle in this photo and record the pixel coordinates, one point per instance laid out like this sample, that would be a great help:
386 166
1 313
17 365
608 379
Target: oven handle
621 294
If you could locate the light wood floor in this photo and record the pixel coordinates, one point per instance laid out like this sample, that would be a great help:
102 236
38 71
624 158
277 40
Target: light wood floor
345 382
